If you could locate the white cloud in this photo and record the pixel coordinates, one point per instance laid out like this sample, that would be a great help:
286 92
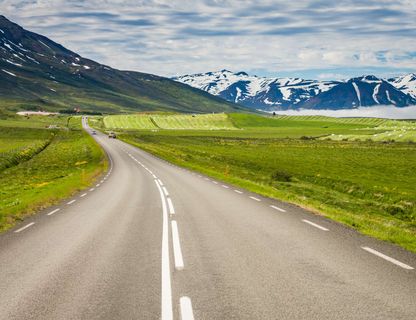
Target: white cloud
175 37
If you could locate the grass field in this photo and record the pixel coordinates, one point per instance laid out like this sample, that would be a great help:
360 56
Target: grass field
156 121
39 166
365 184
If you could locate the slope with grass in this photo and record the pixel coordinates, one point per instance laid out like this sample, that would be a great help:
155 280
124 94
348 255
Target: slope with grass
366 185
38 167
38 73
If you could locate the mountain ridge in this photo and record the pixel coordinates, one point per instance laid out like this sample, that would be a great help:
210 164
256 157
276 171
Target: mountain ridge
296 93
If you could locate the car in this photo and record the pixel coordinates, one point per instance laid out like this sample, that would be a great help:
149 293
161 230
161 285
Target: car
112 135
93 132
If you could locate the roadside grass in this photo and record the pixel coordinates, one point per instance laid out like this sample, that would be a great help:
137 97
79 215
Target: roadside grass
364 184
39 167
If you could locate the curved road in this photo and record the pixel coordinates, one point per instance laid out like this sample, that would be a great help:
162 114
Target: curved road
154 241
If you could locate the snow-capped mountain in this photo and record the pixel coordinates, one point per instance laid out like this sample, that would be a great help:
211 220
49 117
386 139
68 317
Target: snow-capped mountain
296 93
406 83
257 92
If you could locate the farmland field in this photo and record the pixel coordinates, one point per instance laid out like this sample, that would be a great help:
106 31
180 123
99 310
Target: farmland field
40 166
366 184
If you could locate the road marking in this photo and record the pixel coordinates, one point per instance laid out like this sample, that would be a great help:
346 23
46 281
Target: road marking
254 198
166 303
186 309
396 262
278 209
83 195
165 191
238 191
170 205
160 182
92 189
199 176
97 185
206 179
25 227
214 182
226 187
177 251
53 211
315 225
71 202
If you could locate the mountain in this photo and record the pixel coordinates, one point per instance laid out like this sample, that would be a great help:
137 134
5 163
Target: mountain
406 83
38 73
296 93
257 92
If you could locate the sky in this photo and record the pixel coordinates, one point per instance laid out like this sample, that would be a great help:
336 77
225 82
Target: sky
316 39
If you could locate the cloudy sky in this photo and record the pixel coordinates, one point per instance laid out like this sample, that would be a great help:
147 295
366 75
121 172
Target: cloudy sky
323 39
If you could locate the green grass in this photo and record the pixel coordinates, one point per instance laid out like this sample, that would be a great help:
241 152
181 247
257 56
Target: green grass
169 122
39 167
364 184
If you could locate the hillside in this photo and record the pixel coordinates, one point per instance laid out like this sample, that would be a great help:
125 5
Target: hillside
38 73
296 93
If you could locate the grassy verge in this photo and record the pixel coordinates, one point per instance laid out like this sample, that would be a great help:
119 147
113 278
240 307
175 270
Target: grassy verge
39 166
366 185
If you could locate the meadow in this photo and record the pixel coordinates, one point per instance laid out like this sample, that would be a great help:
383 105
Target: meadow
40 166
367 184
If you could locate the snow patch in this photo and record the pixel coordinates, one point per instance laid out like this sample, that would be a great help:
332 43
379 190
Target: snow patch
388 97
45 44
357 91
8 72
375 93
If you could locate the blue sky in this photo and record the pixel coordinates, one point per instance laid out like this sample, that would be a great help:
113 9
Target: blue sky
322 39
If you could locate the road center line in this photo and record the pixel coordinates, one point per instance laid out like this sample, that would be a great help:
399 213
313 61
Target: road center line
170 205
254 198
71 202
238 191
186 308
53 211
278 209
165 191
392 260
166 302
315 225
177 251
160 182
25 227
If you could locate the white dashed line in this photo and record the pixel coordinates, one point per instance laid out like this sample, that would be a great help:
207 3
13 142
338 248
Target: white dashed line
383 256
214 182
97 185
71 202
238 191
83 195
278 209
25 227
92 189
177 252
206 179
226 187
53 211
170 205
186 309
254 198
315 225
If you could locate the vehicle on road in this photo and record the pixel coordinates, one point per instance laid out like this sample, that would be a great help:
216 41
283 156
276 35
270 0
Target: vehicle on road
112 134
93 132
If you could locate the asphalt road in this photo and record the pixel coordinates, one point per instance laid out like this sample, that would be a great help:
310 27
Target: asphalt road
154 241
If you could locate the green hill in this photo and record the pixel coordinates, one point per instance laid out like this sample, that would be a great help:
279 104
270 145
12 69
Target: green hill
37 73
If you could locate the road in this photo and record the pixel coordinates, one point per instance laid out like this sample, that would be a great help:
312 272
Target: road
153 241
